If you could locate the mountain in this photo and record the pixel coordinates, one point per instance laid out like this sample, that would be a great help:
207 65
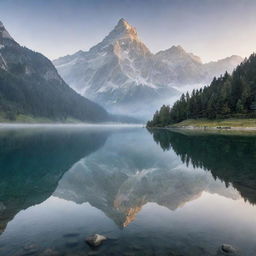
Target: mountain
216 68
117 72
121 73
188 68
31 86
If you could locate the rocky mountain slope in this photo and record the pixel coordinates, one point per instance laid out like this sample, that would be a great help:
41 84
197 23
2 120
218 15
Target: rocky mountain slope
121 72
31 86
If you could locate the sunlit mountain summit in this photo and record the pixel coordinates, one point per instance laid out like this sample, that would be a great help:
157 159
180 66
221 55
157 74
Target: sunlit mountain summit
123 75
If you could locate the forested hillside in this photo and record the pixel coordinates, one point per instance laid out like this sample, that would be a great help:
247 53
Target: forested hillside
31 86
228 96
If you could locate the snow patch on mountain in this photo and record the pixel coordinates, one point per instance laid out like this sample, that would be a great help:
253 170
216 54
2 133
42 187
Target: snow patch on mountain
3 64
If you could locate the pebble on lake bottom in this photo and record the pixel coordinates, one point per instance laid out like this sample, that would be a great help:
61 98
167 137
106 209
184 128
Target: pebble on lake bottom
30 249
227 249
95 240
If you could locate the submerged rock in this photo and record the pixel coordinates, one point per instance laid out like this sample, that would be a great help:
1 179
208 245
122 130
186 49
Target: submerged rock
227 249
95 240
30 249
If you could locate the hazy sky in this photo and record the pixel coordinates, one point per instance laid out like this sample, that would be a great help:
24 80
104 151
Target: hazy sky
212 29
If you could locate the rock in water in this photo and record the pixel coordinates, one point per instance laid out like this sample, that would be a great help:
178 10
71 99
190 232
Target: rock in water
30 249
95 240
227 249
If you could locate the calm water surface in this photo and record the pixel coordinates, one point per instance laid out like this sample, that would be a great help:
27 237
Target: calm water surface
151 193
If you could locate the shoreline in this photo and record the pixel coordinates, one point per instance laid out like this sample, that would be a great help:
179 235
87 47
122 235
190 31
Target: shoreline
190 131
219 128
236 131
230 124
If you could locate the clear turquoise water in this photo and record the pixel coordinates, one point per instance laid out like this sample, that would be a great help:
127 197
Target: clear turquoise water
150 193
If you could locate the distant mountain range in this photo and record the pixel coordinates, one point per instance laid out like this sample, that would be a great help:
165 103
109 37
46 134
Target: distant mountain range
121 73
31 86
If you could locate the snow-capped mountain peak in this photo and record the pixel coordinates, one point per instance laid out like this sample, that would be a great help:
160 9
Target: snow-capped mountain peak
121 73
122 34
176 53
123 30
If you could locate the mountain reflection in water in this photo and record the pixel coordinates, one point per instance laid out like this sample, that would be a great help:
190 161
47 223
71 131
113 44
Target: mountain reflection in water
33 161
122 177
118 181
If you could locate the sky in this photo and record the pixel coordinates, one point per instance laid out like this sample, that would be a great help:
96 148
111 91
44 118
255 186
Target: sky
211 29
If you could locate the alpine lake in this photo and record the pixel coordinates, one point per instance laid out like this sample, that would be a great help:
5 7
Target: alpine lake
150 192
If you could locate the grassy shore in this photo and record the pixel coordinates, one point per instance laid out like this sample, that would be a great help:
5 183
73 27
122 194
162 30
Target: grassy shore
32 120
217 124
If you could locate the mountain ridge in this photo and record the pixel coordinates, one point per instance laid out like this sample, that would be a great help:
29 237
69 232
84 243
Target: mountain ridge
121 70
30 85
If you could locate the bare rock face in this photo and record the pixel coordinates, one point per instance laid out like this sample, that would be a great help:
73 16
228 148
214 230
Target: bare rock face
95 240
5 38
